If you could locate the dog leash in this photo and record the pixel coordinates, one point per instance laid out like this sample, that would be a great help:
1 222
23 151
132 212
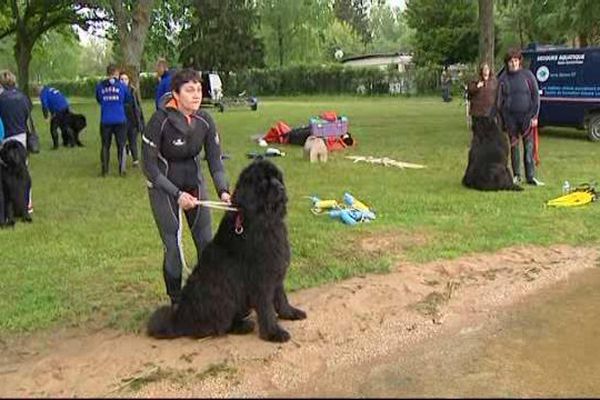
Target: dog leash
218 205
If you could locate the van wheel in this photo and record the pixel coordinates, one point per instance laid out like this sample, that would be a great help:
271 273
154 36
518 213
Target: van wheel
594 128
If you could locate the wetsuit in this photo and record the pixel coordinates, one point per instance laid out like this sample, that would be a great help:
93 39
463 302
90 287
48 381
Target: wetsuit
171 144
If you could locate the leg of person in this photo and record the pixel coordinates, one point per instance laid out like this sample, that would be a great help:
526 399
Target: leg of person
132 135
528 143
199 221
121 137
515 161
54 123
106 136
166 215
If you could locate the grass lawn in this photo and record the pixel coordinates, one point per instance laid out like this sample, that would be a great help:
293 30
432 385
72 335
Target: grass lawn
93 256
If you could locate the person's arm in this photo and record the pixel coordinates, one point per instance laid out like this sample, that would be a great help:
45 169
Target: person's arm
497 109
98 96
44 102
212 149
150 153
472 88
137 110
535 94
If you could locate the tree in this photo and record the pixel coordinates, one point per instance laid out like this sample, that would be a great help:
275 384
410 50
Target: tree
389 30
356 14
445 32
549 21
486 31
292 30
132 20
169 19
222 36
56 55
29 20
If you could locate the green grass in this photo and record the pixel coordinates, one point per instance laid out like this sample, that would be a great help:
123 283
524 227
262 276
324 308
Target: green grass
93 255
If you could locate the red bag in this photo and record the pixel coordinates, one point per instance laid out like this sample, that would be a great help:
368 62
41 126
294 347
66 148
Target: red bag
278 133
329 115
339 142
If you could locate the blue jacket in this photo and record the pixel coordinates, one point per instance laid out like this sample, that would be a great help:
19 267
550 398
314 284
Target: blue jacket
112 94
164 86
52 100
1 130
15 109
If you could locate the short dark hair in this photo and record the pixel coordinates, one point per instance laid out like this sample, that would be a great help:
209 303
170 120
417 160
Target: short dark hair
111 69
184 76
513 53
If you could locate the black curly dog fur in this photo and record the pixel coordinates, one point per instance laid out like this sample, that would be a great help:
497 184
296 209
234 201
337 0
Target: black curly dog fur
238 272
14 181
76 123
488 158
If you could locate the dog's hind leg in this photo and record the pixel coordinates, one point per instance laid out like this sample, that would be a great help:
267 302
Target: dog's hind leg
283 308
268 327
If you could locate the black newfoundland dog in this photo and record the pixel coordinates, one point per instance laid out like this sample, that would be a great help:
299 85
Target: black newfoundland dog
75 123
14 181
488 158
243 268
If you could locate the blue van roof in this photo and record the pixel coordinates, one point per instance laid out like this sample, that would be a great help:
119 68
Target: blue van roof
557 49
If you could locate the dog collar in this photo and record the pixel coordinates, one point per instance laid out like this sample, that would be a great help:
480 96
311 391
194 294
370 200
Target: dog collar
239 228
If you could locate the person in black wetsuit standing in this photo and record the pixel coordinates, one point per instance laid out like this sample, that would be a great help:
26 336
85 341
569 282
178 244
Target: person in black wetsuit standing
171 144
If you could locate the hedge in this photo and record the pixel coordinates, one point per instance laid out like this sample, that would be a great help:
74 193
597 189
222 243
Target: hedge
301 79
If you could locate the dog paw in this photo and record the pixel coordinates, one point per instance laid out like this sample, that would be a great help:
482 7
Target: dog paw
242 327
28 219
293 314
279 336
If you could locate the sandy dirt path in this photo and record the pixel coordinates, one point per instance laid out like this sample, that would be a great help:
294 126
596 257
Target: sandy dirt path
349 323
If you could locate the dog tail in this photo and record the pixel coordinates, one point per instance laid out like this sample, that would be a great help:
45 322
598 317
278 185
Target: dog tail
161 324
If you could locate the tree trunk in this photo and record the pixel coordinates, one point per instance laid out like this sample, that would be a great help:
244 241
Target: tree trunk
486 31
23 49
133 31
582 40
280 41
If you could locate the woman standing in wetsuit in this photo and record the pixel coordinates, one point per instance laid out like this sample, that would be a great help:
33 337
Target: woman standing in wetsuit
172 141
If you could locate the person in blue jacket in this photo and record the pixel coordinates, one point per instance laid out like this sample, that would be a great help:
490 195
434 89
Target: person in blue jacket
164 75
56 104
112 94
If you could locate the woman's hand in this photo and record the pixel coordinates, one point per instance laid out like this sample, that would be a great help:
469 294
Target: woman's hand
226 197
186 201
480 84
534 122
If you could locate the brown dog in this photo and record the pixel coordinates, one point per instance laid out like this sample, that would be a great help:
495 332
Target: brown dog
315 149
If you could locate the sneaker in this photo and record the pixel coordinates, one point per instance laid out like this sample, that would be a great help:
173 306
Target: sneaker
517 180
536 182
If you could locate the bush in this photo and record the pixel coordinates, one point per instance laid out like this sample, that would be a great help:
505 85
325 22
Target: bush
295 80
86 87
